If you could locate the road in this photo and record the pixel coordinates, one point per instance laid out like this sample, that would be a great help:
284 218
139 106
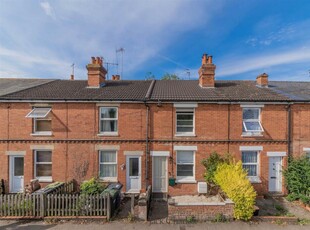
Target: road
117 225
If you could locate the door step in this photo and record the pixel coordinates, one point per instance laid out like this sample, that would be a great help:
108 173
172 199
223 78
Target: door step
159 196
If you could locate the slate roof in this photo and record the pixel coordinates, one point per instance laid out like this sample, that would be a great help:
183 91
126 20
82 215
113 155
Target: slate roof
170 90
11 85
78 90
189 90
296 91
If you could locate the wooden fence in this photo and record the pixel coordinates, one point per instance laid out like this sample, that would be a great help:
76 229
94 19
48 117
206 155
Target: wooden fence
42 205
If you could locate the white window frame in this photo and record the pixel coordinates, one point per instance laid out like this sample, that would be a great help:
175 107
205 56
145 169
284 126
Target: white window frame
112 179
44 117
42 178
186 179
252 132
253 179
108 119
180 110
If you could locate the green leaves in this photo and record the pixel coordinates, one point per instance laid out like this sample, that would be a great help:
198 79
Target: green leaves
92 187
233 180
297 178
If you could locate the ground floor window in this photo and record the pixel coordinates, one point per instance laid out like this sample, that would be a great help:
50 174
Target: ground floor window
250 162
185 166
108 165
43 165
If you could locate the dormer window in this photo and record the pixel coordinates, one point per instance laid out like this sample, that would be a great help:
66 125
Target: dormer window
42 122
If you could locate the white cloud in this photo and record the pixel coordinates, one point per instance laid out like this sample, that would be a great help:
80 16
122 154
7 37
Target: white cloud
239 65
48 9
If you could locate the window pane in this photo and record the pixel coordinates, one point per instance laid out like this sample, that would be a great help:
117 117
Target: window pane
108 126
133 167
43 125
185 157
250 113
251 169
44 170
185 116
185 122
107 156
108 113
185 170
252 126
18 166
44 156
108 170
184 129
249 157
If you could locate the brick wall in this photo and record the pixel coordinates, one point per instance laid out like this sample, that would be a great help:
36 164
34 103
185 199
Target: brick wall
199 212
75 136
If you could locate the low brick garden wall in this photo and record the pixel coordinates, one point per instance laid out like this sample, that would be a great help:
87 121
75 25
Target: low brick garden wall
199 211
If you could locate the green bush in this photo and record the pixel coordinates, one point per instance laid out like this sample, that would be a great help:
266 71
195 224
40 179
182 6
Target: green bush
211 164
232 179
92 187
297 179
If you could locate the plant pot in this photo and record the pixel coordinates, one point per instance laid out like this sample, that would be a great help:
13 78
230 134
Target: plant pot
171 181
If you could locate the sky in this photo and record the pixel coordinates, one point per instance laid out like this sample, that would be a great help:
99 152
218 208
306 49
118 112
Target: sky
43 38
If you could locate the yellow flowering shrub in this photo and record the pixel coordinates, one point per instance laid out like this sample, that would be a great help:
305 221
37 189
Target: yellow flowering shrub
232 179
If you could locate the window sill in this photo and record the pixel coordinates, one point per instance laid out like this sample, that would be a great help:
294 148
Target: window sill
42 134
255 180
110 179
185 135
252 134
107 135
185 181
45 180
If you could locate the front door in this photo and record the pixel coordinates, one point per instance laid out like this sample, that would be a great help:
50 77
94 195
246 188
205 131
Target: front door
16 174
133 165
275 174
160 174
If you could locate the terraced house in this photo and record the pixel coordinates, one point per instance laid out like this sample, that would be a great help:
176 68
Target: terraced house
149 132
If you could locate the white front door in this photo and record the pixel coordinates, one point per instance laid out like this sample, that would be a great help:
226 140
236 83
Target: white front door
159 174
133 172
275 174
16 174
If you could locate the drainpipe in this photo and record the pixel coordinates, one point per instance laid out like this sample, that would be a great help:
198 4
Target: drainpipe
147 145
147 97
289 114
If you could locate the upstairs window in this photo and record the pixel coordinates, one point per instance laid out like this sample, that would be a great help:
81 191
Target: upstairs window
185 122
251 121
42 122
108 120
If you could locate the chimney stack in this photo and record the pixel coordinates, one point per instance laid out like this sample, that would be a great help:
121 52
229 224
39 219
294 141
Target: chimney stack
262 80
207 72
96 72
71 77
116 77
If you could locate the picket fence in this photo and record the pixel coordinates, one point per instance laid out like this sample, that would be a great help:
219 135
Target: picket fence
52 205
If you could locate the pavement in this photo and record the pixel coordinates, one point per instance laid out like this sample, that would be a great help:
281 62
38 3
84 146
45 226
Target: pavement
123 225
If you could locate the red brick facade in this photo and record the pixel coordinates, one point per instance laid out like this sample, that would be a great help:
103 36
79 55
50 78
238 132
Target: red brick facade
75 139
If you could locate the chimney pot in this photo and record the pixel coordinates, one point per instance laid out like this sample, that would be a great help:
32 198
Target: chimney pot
116 77
204 59
262 80
72 77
